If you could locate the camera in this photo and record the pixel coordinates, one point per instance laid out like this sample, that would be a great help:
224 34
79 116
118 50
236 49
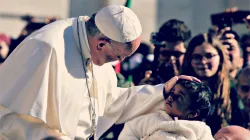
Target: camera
228 19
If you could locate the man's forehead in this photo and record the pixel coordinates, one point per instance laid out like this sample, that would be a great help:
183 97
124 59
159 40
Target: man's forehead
179 46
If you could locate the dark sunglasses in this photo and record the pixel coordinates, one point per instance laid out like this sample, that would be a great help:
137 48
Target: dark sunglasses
244 88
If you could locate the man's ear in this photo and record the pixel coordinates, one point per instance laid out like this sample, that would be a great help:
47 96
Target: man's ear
193 114
101 44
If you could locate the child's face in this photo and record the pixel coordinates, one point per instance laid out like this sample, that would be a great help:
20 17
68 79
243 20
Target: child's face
177 104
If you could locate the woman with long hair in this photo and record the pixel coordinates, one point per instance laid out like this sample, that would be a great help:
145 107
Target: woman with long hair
205 59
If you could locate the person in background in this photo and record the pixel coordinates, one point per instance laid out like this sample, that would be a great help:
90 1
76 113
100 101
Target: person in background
32 25
231 44
234 54
134 67
169 51
206 59
5 42
232 133
243 88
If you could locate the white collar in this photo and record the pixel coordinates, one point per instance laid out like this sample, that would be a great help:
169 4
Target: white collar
82 38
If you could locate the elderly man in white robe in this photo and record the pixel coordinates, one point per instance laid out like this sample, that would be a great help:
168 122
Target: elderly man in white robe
58 80
51 75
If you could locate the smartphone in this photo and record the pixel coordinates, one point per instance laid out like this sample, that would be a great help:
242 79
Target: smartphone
228 19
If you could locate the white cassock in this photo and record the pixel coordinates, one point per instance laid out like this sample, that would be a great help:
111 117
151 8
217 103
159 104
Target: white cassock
44 78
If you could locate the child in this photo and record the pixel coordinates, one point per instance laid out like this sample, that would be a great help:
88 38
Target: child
188 100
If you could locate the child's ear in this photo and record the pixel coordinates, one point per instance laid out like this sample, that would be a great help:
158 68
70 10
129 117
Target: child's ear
193 114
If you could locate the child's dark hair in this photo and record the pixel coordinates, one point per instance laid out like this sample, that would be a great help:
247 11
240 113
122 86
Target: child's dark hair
201 97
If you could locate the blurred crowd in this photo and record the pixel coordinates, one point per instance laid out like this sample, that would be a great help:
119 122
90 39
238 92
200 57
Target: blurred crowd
219 57
8 44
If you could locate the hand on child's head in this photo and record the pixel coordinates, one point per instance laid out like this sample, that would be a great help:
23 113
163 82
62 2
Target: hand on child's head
185 77
171 83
